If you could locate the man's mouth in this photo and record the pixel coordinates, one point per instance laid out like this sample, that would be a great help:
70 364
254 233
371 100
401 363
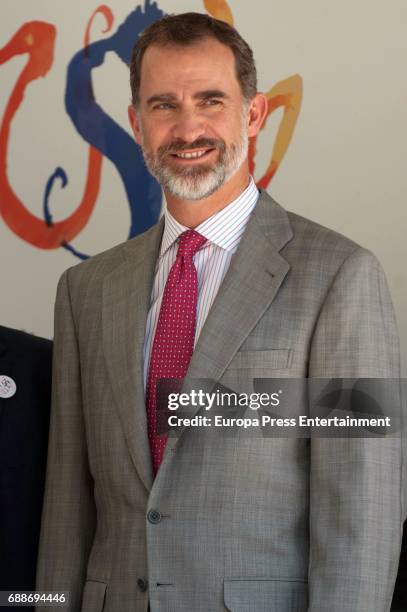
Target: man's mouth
192 154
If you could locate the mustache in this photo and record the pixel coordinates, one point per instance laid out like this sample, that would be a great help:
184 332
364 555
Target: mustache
199 143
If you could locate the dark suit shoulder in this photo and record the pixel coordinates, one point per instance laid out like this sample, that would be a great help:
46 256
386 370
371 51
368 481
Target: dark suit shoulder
28 358
22 342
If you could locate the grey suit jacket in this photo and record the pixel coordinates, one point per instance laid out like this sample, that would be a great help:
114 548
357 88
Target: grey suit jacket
246 524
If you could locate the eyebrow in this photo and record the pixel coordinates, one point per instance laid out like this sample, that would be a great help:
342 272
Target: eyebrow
199 95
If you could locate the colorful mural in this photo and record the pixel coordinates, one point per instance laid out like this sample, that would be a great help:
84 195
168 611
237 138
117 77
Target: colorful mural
104 137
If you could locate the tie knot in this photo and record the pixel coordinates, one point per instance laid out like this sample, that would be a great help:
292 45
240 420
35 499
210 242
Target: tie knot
189 243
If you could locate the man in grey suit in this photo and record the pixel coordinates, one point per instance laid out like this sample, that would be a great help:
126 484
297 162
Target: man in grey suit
202 521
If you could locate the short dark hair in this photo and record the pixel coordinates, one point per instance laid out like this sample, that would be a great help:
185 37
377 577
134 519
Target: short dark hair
186 29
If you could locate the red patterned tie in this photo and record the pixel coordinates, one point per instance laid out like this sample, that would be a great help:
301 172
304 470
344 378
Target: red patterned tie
175 333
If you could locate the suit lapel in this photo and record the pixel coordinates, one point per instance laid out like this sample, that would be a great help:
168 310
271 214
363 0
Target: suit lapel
255 274
126 300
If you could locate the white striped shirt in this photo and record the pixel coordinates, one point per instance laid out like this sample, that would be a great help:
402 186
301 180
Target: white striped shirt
223 231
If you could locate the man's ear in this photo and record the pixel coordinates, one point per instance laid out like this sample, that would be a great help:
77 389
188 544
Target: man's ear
135 123
257 112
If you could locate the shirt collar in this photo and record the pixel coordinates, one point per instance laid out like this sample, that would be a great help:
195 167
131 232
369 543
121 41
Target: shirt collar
224 228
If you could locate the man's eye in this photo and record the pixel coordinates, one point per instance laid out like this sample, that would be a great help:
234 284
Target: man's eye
211 102
162 106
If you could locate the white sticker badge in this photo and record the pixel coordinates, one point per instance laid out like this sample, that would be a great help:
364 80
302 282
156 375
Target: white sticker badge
7 386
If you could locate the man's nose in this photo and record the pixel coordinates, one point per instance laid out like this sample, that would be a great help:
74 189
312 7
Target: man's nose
188 127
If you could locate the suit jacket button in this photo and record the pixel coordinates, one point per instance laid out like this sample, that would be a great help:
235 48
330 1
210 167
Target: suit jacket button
154 516
142 584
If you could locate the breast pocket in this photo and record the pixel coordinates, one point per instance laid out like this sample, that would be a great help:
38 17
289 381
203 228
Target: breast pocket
249 365
94 593
265 595
275 359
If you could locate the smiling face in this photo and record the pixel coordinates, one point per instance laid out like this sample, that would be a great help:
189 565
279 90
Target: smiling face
192 121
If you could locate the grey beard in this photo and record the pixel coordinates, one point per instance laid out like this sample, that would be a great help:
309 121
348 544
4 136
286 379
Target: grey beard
197 183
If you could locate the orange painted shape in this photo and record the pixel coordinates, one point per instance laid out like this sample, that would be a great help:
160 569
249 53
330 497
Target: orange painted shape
288 94
220 10
36 39
107 14
34 230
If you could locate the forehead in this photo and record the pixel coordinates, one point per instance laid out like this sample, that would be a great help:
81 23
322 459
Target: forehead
207 64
